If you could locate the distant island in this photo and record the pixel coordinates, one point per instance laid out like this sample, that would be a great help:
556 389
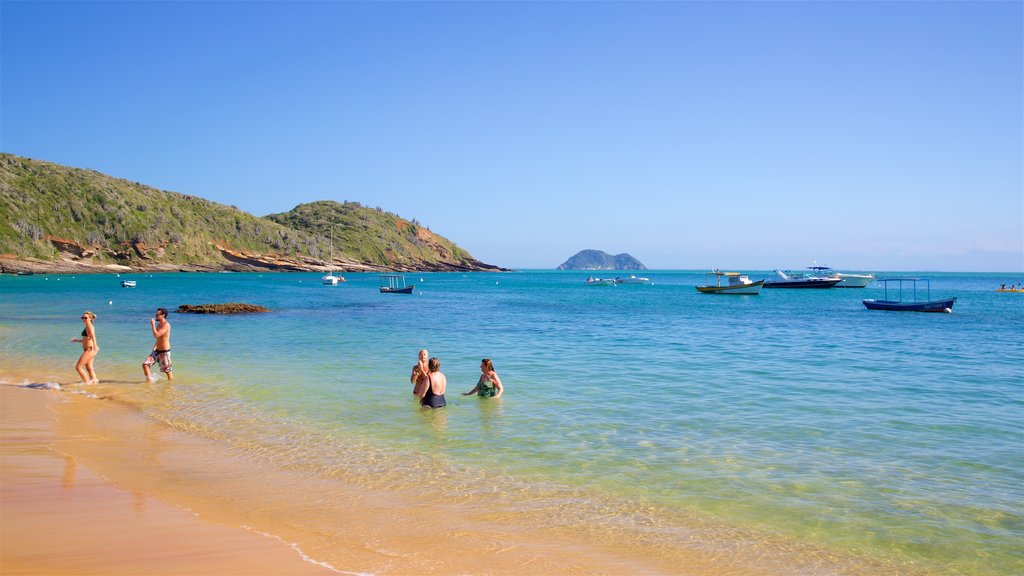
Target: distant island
598 260
60 219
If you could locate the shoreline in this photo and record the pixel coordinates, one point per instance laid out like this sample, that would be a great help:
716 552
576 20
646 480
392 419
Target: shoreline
228 509
238 263
62 517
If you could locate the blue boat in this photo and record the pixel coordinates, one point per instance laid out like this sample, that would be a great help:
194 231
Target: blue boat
929 305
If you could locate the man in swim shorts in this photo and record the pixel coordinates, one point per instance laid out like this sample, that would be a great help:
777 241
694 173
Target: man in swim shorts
162 348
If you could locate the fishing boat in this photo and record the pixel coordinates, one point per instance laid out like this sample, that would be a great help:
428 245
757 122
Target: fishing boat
632 280
901 305
395 284
599 282
803 280
127 283
736 283
330 279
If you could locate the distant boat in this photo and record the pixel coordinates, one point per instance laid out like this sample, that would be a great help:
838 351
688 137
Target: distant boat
802 280
737 284
127 283
915 305
1012 288
330 279
632 280
599 282
395 284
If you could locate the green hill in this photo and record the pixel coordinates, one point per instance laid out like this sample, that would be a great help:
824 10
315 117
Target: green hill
55 218
373 236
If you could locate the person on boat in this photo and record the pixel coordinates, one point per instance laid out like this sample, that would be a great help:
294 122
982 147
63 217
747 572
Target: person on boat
437 382
162 348
419 377
90 348
489 385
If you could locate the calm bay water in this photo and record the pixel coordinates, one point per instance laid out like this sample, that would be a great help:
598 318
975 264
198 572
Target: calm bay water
895 436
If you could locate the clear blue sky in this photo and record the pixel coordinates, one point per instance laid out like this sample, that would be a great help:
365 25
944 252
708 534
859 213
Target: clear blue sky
864 135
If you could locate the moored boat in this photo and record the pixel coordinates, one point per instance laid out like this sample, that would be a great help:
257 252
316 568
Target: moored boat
631 280
802 280
915 305
599 282
736 283
127 283
854 280
395 284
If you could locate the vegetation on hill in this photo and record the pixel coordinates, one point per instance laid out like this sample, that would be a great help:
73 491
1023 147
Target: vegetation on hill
598 260
61 214
372 235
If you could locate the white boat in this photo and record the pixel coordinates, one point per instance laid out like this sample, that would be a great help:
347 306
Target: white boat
330 279
855 280
814 279
127 283
632 280
736 284
599 282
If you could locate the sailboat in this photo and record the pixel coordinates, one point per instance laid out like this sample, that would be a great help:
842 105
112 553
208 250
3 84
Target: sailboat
330 279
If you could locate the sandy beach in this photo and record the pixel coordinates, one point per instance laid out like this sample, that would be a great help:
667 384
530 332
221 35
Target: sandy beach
61 517
87 486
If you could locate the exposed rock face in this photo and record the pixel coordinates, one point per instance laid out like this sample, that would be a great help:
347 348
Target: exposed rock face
227 308
598 260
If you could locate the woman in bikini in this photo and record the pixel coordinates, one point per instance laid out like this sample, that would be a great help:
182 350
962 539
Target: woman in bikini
90 347
489 385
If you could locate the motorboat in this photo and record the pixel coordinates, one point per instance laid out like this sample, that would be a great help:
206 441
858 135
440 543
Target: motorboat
815 279
915 305
599 282
127 283
632 280
395 284
854 280
736 283
846 280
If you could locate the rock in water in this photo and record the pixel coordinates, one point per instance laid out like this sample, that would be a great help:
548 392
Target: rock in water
227 308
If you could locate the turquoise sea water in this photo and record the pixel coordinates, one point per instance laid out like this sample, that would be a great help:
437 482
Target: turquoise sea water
893 436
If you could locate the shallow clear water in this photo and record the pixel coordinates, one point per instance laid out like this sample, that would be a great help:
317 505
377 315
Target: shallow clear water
797 412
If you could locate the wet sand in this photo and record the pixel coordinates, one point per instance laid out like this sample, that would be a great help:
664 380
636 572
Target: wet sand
90 486
59 517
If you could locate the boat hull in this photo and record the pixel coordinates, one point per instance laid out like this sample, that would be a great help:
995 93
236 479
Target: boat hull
815 283
749 289
945 305
403 290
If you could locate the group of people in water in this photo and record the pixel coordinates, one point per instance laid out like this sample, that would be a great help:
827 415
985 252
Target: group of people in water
161 353
429 383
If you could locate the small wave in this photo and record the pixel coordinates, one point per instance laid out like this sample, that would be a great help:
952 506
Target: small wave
303 555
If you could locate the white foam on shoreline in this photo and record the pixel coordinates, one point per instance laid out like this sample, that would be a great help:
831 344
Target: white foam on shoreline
303 555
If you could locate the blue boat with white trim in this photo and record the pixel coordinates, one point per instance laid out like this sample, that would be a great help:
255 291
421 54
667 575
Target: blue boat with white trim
929 305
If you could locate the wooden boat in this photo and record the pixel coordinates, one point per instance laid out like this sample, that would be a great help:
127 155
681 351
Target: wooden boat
599 282
802 280
127 283
736 283
929 305
395 284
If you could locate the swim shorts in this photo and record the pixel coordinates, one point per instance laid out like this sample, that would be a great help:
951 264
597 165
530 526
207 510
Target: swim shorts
161 356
